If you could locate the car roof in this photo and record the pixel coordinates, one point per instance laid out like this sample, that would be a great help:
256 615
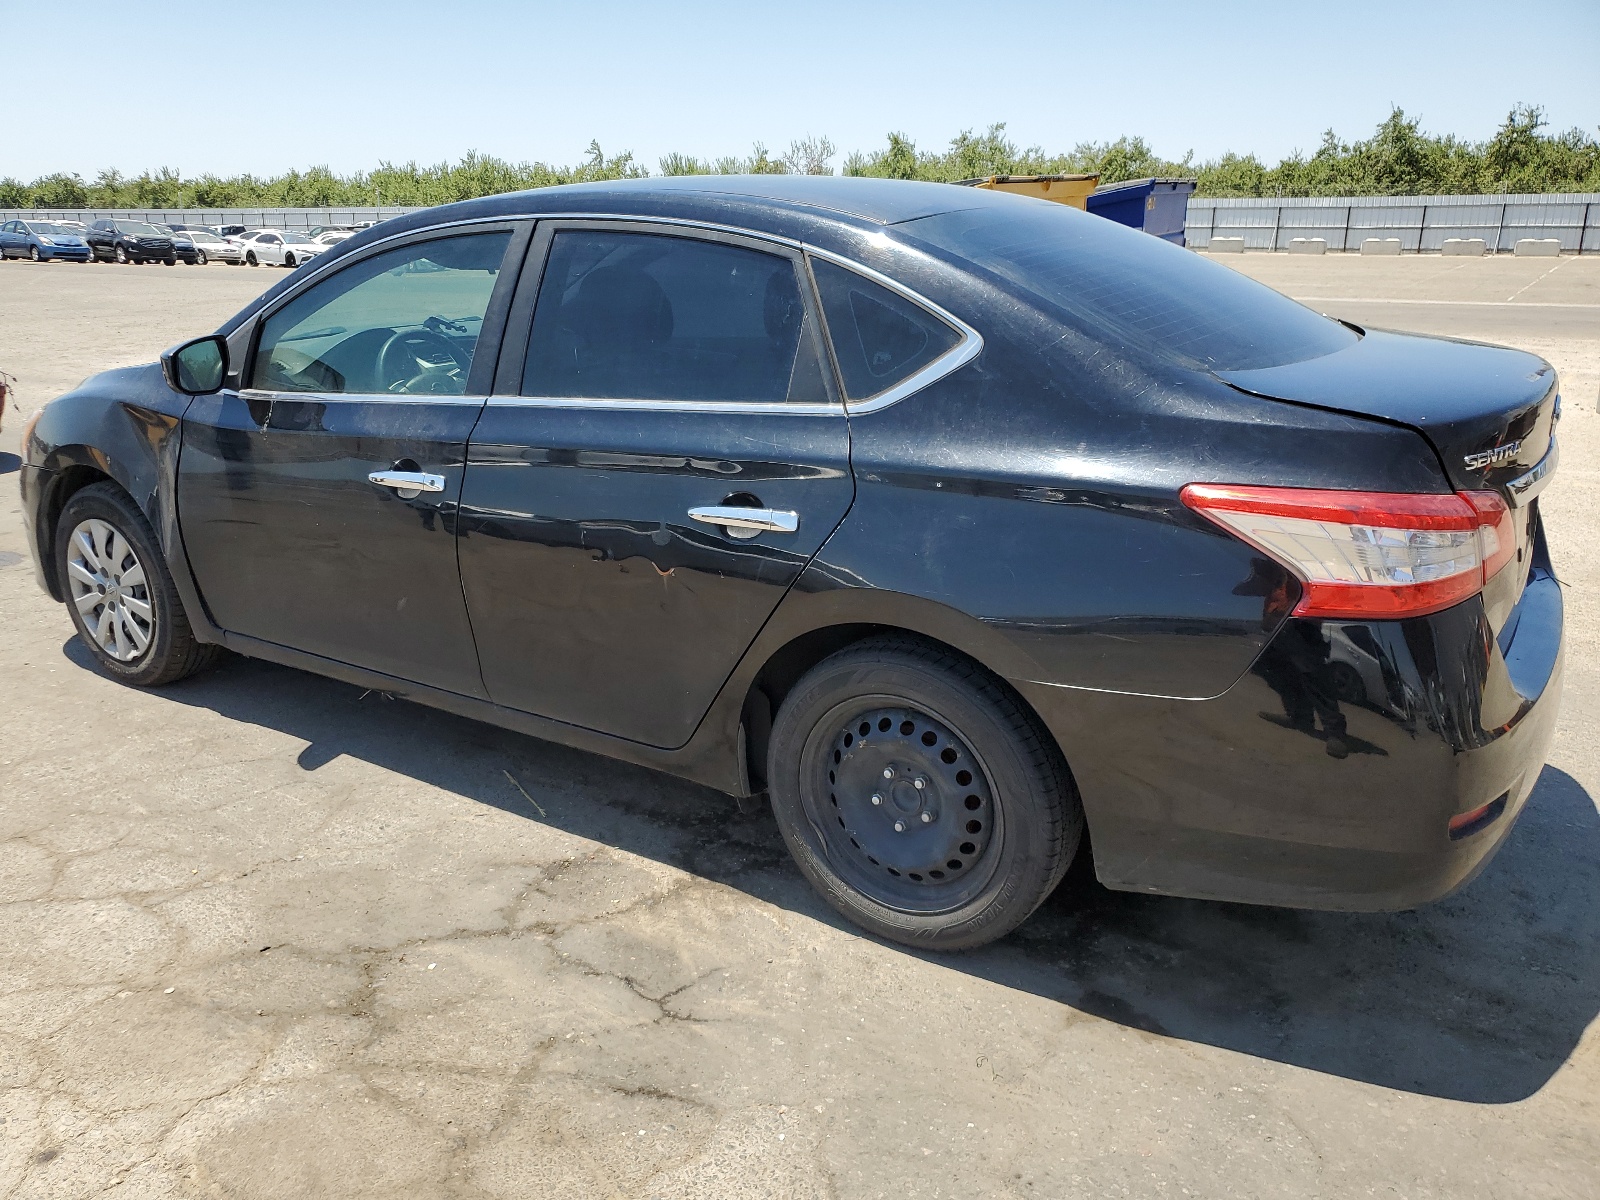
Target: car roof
880 201
779 204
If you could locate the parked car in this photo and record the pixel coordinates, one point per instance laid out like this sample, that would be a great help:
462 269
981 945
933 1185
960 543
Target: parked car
212 247
41 241
958 523
278 247
182 243
130 242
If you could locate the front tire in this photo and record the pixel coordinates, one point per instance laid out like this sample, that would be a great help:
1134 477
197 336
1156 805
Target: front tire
121 256
120 594
33 253
918 795
288 260
199 258
250 257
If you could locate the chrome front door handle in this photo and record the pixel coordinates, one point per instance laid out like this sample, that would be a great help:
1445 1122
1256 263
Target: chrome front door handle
408 483
746 522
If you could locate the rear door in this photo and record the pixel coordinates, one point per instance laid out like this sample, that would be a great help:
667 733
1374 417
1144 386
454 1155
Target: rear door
318 504
658 464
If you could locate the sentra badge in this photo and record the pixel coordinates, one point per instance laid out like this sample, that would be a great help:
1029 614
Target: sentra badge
1493 458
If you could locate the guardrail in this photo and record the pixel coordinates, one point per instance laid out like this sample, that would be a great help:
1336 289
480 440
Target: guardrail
1421 223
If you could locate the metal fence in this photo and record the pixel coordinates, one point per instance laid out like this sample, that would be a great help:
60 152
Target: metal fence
252 218
1422 223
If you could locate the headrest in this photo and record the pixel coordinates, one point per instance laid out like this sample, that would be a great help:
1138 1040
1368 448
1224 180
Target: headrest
621 306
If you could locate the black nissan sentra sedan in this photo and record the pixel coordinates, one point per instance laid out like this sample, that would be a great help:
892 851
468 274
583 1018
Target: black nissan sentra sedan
962 524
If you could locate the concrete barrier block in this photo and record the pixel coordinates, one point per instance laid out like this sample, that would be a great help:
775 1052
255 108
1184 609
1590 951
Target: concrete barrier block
1474 247
1381 246
1538 247
1227 245
1308 246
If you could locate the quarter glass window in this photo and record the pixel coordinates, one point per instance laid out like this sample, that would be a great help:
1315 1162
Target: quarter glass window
649 317
405 322
879 337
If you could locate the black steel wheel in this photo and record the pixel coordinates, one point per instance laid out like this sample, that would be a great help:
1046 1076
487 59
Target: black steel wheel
918 796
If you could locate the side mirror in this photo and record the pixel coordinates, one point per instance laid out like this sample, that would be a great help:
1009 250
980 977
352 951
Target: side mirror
198 367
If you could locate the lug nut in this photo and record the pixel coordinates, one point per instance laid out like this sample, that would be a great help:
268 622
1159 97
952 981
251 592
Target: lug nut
919 784
877 799
899 826
888 773
927 817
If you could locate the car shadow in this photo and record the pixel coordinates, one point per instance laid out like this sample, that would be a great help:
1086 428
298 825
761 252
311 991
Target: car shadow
1479 998
9 463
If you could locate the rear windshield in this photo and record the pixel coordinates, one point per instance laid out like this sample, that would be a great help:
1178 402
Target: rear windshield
1136 287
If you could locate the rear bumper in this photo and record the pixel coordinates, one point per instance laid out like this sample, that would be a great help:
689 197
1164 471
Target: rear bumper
1328 776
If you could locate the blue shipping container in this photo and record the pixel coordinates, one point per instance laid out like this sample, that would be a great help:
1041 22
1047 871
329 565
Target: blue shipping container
1157 206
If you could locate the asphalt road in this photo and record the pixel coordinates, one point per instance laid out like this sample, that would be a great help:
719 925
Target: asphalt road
263 935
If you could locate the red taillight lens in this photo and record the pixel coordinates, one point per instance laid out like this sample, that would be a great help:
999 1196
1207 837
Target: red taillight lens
1368 554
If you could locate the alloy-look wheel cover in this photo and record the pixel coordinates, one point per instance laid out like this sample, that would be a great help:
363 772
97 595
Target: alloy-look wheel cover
110 590
906 813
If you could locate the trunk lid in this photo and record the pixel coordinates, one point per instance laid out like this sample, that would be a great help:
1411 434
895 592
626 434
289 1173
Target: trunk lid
1488 411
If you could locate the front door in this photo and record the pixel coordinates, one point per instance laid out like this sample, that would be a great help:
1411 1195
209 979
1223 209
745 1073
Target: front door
671 455
318 504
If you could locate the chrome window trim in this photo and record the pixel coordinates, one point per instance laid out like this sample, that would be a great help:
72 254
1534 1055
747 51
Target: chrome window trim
753 407
361 397
953 359
1529 484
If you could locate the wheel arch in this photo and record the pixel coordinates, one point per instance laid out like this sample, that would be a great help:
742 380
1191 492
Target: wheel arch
783 662
68 475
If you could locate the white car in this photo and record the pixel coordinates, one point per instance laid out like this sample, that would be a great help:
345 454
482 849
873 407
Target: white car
333 237
209 247
278 247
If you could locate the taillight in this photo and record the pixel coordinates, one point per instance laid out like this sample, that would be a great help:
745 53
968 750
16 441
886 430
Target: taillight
1368 554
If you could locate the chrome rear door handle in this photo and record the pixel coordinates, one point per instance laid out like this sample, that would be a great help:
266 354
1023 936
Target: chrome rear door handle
408 481
746 522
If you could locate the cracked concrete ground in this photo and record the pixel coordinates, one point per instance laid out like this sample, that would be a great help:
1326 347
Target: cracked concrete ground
264 936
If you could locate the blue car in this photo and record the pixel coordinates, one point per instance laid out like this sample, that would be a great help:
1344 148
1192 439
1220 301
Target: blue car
41 241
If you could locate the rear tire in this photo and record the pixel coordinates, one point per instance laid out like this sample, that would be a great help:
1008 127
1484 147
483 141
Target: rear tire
943 826
120 594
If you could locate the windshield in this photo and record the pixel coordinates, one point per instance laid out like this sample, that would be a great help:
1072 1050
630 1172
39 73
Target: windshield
294 239
1123 283
196 235
44 227
138 229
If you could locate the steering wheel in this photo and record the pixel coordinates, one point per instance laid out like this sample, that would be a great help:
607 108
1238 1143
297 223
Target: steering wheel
421 361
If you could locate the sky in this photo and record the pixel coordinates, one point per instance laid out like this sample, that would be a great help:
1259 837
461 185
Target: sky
291 83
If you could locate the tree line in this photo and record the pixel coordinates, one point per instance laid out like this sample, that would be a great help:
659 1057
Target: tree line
1398 159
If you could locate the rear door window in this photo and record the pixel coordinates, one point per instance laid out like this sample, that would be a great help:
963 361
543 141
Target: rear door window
880 338
642 316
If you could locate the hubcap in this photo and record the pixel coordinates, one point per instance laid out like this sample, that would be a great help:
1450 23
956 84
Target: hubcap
109 590
910 815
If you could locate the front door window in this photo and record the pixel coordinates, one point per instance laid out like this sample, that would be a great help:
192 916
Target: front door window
405 322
